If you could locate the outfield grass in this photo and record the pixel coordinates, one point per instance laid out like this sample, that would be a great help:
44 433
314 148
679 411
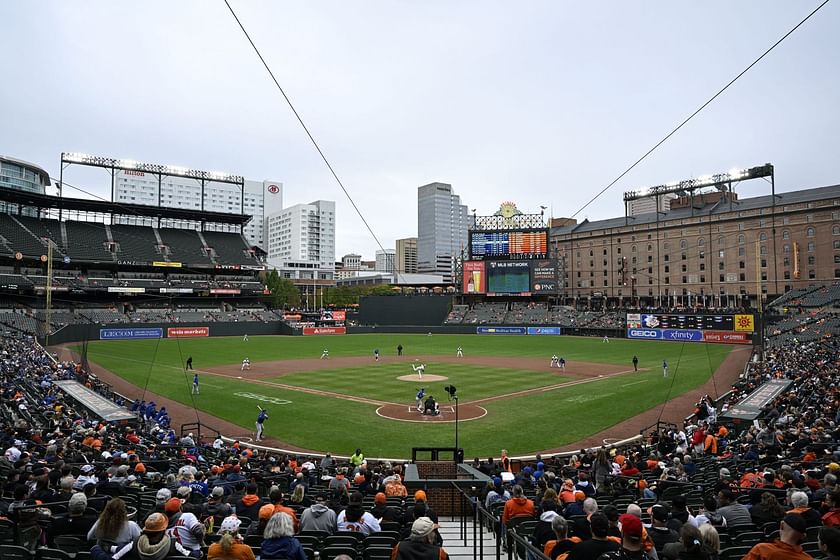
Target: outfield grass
521 424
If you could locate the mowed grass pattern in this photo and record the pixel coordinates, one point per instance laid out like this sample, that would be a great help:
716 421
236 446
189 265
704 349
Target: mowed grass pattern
523 424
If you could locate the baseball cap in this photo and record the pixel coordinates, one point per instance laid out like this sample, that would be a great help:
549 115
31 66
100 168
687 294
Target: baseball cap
422 527
184 492
218 492
420 496
140 468
380 498
87 468
155 523
172 505
724 472
266 511
163 494
631 526
230 524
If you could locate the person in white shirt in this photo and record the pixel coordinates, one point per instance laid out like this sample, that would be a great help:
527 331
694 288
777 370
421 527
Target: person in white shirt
184 527
355 518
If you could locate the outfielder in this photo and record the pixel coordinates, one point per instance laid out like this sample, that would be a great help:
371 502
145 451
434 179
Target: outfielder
459 353
245 338
246 364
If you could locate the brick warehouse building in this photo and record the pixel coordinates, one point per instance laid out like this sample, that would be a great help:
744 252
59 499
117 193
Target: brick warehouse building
711 249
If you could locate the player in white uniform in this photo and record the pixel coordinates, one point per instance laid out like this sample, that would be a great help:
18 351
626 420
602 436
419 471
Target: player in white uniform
419 369
246 364
245 338
325 355
459 352
554 361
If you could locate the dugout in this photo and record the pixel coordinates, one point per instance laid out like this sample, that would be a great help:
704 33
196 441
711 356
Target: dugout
102 408
751 407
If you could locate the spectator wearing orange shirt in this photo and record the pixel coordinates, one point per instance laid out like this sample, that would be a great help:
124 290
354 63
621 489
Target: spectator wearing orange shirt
517 505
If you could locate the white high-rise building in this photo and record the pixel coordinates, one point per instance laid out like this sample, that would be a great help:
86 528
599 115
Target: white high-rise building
300 240
442 223
138 187
385 260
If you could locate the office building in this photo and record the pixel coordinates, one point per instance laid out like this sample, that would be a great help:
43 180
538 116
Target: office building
442 223
385 260
405 257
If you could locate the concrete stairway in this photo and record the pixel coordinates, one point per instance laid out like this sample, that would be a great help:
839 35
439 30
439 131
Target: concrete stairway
450 530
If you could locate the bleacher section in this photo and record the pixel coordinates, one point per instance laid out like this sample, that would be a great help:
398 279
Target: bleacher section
229 247
527 313
18 239
87 241
43 228
136 243
184 246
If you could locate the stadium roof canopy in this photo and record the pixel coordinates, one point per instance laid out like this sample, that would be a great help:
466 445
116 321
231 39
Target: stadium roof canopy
37 200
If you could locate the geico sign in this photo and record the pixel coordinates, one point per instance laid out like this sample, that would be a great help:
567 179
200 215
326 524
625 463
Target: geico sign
638 333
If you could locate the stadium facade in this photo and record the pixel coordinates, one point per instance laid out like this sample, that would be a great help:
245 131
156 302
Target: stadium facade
711 249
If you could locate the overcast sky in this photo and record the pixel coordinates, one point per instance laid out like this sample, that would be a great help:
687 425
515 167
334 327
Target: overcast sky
541 103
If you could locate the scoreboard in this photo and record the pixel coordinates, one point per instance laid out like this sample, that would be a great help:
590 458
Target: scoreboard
508 245
696 322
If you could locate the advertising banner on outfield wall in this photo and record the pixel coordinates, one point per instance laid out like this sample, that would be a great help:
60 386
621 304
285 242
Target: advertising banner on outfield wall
307 331
725 337
125 290
544 330
187 332
646 334
475 278
225 291
176 290
745 323
501 330
682 335
127 334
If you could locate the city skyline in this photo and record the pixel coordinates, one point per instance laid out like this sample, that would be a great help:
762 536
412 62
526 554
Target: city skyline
543 105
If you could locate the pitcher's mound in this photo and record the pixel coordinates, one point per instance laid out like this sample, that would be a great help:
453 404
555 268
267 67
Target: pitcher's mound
428 377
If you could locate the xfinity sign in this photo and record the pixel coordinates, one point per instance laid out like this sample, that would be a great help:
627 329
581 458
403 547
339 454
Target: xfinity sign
683 335
644 333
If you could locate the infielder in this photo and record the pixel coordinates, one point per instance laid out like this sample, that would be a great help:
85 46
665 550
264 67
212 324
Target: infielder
376 354
246 364
195 384
325 355
562 363
419 399
261 418
555 361
459 353
419 369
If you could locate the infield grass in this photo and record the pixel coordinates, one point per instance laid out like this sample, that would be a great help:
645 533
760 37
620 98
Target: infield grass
522 424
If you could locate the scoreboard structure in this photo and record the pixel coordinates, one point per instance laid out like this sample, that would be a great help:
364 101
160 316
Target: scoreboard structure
509 256
737 328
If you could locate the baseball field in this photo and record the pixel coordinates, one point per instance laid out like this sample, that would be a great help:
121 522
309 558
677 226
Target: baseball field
508 396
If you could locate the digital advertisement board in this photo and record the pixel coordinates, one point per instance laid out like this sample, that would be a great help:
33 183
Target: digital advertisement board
475 279
508 244
544 277
744 323
508 278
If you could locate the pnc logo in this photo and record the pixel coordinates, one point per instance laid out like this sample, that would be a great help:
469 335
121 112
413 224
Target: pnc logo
644 334
273 189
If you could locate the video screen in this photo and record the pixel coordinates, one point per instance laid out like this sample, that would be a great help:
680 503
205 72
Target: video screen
509 277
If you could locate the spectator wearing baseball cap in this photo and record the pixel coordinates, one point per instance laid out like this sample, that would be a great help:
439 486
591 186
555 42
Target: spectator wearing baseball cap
154 543
382 511
632 540
184 526
659 532
792 531
230 546
420 543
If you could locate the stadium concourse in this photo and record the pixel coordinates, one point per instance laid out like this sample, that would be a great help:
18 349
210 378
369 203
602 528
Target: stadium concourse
74 484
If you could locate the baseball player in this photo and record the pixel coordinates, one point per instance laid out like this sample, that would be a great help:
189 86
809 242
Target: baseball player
195 384
325 355
246 364
562 363
245 338
459 353
376 354
555 361
419 399
606 338
664 368
419 369
261 418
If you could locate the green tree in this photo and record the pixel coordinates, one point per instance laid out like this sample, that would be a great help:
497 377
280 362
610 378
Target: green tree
283 292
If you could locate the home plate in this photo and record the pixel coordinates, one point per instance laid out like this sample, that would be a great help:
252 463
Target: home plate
598 376
239 377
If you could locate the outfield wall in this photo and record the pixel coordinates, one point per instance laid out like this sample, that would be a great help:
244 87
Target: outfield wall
404 310
76 333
